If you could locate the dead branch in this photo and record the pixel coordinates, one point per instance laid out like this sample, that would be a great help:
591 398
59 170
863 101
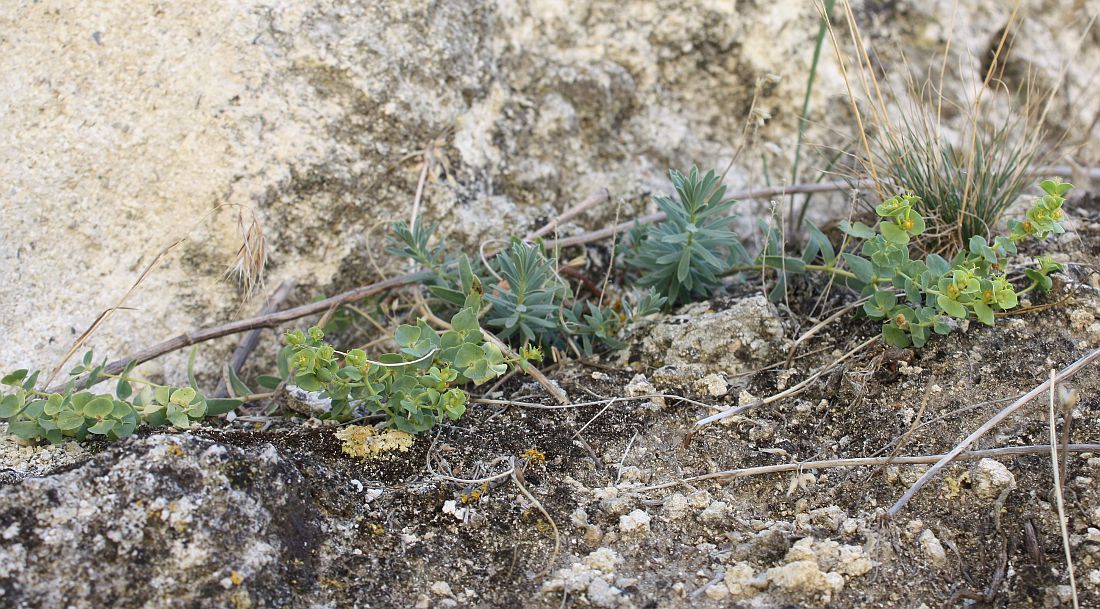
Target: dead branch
973 455
263 321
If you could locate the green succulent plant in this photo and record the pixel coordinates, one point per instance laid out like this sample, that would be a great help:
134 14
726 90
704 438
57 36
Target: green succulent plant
683 258
915 297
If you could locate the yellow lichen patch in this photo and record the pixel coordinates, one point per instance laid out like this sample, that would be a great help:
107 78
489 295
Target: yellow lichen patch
367 442
375 529
241 599
332 582
953 486
474 495
236 578
534 456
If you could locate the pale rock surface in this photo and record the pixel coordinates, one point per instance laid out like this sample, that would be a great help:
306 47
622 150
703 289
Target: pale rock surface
728 341
991 478
932 547
156 521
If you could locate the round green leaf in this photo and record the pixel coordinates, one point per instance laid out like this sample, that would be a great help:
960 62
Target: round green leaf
468 355
858 230
984 313
103 427
183 396
68 421
895 336
27 430
99 407
197 410
406 335
53 405
14 378
918 224
893 233
10 406
179 419
951 307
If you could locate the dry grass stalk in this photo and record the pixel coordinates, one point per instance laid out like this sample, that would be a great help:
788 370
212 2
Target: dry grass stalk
251 259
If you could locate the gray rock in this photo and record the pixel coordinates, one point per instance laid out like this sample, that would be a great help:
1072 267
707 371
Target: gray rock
698 340
164 521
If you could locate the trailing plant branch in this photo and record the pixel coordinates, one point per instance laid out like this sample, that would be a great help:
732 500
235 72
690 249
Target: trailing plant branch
551 388
974 455
270 320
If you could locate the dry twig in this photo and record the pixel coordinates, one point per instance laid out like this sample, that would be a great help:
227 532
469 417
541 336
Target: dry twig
973 455
1058 492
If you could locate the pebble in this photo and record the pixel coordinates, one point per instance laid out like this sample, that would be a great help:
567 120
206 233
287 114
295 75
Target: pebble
715 513
713 385
991 478
634 522
933 548
805 577
676 506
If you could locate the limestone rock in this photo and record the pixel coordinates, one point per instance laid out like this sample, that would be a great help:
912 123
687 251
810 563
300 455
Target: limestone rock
933 548
727 341
991 478
164 520
128 122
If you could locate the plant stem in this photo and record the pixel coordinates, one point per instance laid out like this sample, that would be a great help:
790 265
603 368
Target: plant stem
263 321
809 267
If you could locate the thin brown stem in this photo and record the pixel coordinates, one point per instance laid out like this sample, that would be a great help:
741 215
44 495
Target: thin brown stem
974 455
760 193
262 321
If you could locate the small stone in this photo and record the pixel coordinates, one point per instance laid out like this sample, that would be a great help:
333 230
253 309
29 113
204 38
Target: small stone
913 528
714 514
717 591
829 517
676 507
741 580
1080 319
1093 535
803 549
699 500
933 548
713 385
634 522
603 559
441 588
853 561
602 594
639 386
991 478
805 577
